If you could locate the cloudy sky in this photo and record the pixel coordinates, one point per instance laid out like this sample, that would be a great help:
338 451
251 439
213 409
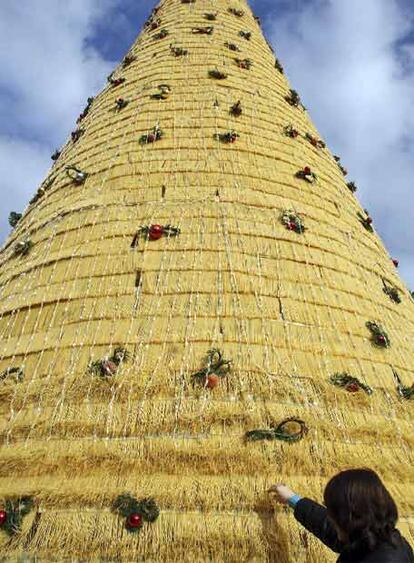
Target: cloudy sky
352 61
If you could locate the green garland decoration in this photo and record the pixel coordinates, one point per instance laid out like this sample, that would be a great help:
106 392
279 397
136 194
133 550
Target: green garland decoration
293 98
108 366
314 141
291 132
178 51
350 383
392 292
235 12
135 511
229 137
215 364
292 221
161 34
352 187
341 168
378 335
246 35
155 232
244 64
127 60
23 247
77 134
366 221
14 218
15 510
17 373
279 433
307 174
217 74
279 67
236 109
403 391
232 47
155 135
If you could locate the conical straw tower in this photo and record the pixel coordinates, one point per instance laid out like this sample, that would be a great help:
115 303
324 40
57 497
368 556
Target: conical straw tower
193 307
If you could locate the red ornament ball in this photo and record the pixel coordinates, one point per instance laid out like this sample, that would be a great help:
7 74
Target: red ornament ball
134 521
3 517
395 262
151 137
381 339
156 232
212 381
369 220
307 170
292 226
352 387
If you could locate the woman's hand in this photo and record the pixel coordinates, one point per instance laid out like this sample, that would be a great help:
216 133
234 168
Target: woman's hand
282 492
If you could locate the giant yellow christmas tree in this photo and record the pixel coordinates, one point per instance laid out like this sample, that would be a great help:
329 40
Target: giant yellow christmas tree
192 307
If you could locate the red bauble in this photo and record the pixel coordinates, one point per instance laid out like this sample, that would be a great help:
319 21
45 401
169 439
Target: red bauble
212 381
291 226
381 339
3 517
156 232
314 142
395 262
134 521
151 137
352 387
307 170
369 220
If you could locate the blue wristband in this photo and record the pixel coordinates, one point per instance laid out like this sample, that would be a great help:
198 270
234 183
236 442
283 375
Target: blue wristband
293 501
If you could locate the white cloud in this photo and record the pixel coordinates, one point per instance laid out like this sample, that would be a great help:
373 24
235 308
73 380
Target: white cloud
358 87
47 74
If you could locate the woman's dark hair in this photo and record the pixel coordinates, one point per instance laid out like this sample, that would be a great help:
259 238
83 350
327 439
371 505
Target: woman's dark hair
358 502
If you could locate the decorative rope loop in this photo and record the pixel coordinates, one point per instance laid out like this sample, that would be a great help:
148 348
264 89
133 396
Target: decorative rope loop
280 432
202 30
164 91
76 175
155 232
378 335
350 383
135 512
216 367
23 248
16 373
14 218
11 517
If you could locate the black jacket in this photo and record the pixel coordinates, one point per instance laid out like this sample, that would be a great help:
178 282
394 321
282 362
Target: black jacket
315 519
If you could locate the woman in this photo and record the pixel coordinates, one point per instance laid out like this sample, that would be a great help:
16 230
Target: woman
358 521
